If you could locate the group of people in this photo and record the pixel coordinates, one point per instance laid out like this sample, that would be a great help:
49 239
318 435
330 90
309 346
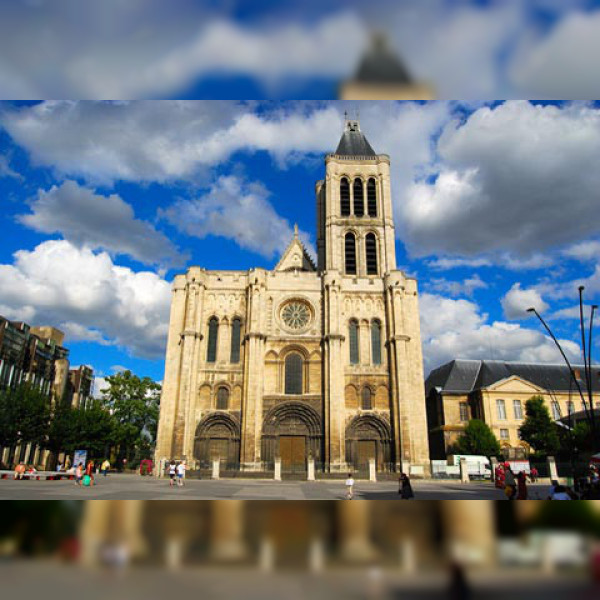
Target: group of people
404 487
21 469
176 471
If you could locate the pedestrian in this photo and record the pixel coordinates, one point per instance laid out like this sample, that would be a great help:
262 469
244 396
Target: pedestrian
349 487
405 488
181 474
172 473
59 467
105 467
533 475
560 493
19 471
510 484
89 471
522 486
78 474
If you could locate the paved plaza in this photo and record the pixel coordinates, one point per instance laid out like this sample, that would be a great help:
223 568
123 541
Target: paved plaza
32 580
123 487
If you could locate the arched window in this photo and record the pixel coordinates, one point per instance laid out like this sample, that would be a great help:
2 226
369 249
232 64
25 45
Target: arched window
293 374
359 197
353 337
213 334
371 253
372 197
376 342
345 197
350 253
236 330
367 397
222 398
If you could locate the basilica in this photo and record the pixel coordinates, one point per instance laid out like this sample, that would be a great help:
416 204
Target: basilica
310 361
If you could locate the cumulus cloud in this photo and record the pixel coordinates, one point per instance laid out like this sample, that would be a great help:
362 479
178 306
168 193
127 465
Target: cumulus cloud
456 288
162 141
6 170
584 251
516 302
88 295
99 222
560 64
514 179
236 210
453 328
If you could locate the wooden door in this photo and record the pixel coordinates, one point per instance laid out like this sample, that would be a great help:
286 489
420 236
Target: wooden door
218 449
366 449
292 449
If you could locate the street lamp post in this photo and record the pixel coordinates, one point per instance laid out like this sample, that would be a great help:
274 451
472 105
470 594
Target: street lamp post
587 363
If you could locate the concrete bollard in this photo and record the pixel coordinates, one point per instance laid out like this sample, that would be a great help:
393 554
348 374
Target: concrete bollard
552 470
216 466
277 475
311 470
464 471
372 470
493 467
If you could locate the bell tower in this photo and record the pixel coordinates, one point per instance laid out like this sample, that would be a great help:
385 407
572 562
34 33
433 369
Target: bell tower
354 209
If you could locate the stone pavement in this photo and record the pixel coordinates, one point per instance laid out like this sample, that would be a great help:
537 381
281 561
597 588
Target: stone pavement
32 580
134 487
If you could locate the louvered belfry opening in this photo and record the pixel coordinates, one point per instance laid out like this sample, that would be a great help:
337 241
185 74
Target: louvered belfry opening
372 197
359 198
350 254
345 197
371 253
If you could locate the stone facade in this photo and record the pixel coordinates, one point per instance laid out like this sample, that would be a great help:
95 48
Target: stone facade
305 361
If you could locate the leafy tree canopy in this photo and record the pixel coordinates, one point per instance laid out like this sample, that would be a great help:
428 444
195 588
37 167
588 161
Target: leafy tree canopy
479 439
538 429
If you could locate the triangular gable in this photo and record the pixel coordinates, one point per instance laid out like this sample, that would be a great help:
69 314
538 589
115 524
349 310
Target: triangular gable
514 383
296 257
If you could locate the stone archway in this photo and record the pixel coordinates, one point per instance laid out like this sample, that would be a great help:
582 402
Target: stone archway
292 431
218 437
369 436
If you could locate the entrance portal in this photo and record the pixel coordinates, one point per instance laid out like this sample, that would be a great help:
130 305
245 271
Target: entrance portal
367 449
292 449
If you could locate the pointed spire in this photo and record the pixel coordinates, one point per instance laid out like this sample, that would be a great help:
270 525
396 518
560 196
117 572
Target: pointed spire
295 231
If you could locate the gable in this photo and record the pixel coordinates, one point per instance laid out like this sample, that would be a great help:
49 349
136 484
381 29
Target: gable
295 257
514 384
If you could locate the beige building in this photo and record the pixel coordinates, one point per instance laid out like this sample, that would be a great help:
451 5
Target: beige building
305 361
496 392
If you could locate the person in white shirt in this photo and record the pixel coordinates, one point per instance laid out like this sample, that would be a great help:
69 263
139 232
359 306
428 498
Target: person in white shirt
349 487
172 473
180 474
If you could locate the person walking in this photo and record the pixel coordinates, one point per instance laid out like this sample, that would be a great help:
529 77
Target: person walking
89 471
405 488
511 486
105 467
522 486
78 474
349 487
172 473
181 474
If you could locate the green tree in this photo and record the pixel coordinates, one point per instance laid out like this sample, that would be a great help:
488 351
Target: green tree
133 403
73 429
478 438
538 429
24 416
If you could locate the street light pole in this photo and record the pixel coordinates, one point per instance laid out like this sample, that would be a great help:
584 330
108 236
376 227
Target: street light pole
589 410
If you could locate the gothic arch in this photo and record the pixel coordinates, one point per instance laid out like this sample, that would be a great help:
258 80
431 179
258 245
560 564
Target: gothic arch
294 419
369 436
218 437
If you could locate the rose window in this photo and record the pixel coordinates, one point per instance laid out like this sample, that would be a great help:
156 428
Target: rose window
295 315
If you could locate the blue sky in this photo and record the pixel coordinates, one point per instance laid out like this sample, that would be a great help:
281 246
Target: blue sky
266 49
496 209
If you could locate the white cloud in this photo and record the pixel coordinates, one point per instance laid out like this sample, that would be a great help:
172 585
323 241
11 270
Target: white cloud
562 64
457 329
516 302
99 222
100 384
584 251
239 211
515 180
456 288
89 296
163 141
6 170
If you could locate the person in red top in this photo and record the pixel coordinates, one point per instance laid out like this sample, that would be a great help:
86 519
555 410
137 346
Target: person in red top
522 486
89 470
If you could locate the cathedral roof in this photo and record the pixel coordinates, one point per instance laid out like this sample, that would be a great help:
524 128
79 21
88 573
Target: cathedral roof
353 141
381 65
296 257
